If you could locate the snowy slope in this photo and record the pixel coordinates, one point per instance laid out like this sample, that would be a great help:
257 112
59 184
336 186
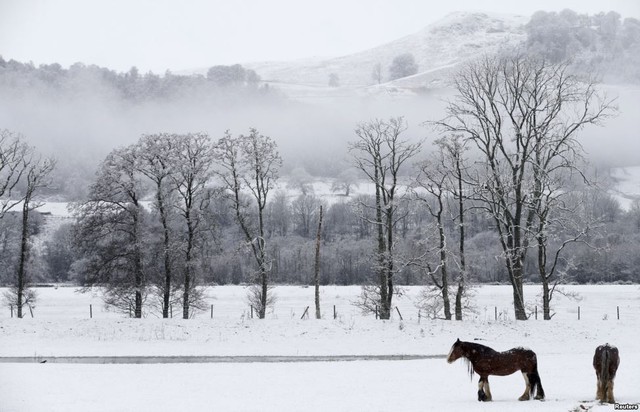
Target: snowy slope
437 49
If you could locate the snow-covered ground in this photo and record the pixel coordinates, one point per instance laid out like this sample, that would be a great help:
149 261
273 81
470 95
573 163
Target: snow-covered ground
61 327
627 185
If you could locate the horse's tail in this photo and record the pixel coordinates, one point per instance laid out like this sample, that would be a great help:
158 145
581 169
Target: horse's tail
605 359
535 384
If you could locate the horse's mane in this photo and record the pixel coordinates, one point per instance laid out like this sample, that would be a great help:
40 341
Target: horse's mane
478 347
469 346
469 367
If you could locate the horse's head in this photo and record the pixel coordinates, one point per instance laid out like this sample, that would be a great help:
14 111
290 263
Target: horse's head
456 352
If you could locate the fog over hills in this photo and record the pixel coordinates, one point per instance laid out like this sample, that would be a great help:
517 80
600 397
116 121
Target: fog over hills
81 113
312 110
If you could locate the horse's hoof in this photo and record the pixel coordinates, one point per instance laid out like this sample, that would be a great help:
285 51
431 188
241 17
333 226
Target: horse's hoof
539 398
523 398
482 397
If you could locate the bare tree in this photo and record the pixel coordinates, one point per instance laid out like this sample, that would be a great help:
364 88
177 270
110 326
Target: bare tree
507 106
300 179
316 271
380 153
403 65
376 73
430 190
193 171
452 149
562 219
15 154
156 160
303 210
249 166
346 180
441 186
110 232
36 178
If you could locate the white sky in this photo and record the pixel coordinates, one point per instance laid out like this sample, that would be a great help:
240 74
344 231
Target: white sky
163 34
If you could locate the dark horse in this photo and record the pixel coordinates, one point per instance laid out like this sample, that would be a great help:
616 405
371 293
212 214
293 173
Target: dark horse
605 362
485 361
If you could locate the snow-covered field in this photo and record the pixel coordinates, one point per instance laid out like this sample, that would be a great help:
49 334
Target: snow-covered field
61 327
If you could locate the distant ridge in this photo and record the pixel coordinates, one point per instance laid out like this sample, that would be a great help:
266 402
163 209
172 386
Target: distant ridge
438 48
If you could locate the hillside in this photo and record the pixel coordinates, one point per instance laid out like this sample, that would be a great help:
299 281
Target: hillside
437 48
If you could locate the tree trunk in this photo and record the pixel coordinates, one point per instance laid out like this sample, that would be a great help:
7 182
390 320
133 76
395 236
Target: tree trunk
24 244
262 312
463 264
443 272
546 299
166 296
385 311
185 294
542 270
187 271
459 294
139 275
317 266
518 294
389 254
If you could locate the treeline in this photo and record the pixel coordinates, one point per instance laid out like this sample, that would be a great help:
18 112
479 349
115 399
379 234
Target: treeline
603 44
104 247
91 81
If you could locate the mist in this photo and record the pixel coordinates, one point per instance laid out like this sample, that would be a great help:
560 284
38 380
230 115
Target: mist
81 113
80 130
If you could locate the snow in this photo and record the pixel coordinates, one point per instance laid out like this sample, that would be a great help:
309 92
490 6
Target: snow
627 185
61 327
438 48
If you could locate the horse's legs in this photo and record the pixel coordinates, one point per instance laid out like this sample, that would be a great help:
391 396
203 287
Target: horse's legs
482 395
527 389
609 392
600 390
487 390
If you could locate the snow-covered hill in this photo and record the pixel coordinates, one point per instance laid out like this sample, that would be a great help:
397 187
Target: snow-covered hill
437 49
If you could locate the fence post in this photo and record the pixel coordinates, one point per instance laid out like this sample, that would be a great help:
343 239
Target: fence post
618 311
305 313
90 311
11 310
578 312
495 311
536 312
376 311
129 310
251 311
418 316
171 311
399 314
211 311
335 315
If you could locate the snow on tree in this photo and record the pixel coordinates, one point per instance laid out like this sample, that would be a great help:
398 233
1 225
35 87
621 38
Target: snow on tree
248 168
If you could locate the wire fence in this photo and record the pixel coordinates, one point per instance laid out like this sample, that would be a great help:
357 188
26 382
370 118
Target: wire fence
490 304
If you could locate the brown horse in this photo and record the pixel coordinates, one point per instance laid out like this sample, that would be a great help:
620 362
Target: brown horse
605 362
485 361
